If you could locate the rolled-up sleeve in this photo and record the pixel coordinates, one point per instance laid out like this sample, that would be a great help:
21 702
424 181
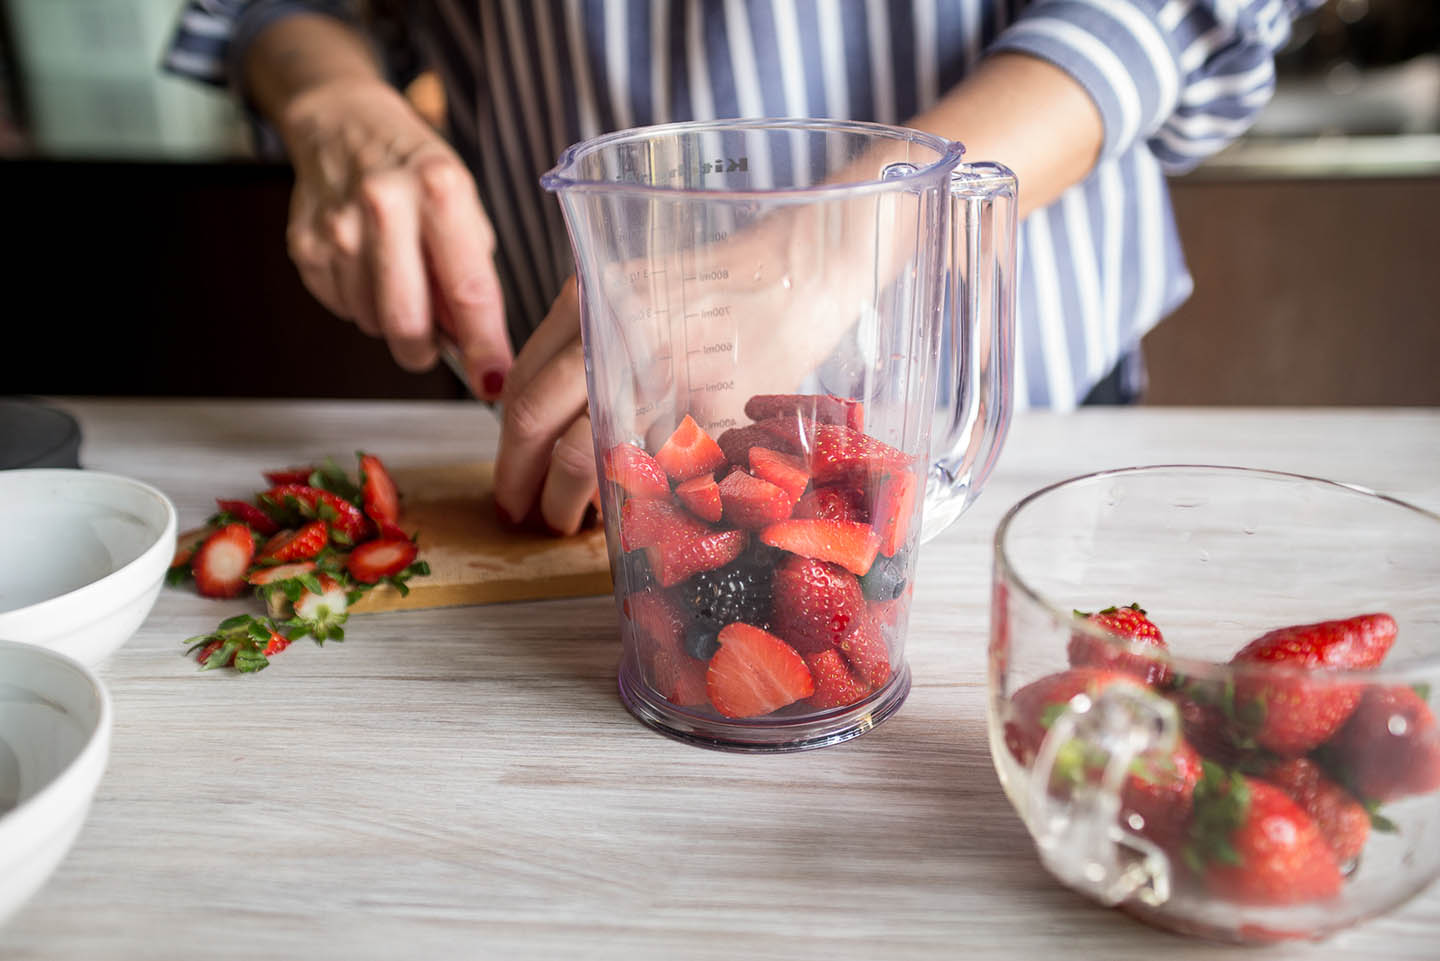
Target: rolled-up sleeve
213 36
1184 76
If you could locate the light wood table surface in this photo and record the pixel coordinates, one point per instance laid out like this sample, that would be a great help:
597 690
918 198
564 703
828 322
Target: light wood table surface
464 783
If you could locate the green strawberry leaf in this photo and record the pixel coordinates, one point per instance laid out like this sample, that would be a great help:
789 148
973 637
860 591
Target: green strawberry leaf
1422 690
249 661
178 575
1051 714
332 477
1378 821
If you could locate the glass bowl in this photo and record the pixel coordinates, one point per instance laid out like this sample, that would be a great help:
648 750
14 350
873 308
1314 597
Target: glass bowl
1288 792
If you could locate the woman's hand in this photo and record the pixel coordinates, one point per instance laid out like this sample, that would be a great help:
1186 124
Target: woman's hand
387 230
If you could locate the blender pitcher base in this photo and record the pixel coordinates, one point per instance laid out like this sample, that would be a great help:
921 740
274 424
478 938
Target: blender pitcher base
767 736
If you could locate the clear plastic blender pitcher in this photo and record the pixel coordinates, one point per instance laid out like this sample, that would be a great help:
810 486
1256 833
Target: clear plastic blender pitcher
799 349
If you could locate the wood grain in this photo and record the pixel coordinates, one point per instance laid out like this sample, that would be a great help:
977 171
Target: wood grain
464 783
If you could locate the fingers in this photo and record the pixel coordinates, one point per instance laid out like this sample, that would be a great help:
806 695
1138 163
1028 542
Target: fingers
558 331
458 243
570 484
535 420
397 269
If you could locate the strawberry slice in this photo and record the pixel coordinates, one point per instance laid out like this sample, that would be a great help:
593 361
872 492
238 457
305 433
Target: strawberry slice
187 543
646 523
379 495
689 452
297 545
247 513
832 504
835 683
755 672
816 604
281 572
348 523
289 475
864 647
852 546
371 561
783 470
752 503
221 562
673 561
637 473
660 635
701 497
820 408
321 615
835 452
894 507
737 441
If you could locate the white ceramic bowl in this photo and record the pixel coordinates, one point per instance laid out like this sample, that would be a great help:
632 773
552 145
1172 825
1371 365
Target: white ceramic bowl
54 741
82 559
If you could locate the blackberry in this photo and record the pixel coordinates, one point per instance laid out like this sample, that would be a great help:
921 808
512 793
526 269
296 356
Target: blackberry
739 592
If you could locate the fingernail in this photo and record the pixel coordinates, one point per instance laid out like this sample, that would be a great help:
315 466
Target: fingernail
493 382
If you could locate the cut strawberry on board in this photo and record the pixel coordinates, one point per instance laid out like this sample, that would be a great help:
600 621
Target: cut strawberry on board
379 495
297 545
737 441
262 576
675 560
783 470
637 473
1294 714
645 523
894 507
701 497
1128 624
373 560
222 561
348 523
755 673
852 546
289 475
321 615
188 543
660 630
835 682
752 503
832 504
820 408
689 452
247 513
816 604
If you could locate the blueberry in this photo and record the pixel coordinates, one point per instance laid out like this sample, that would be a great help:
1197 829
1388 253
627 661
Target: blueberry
702 638
885 581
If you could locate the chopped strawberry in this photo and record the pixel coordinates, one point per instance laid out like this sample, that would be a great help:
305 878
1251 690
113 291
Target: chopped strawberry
689 452
852 546
660 632
289 475
1390 746
894 508
835 683
737 441
371 561
208 651
320 615
820 408
1131 627
816 604
1296 714
379 495
835 452
701 497
297 545
832 504
221 562
348 524
637 473
645 523
282 572
673 561
864 647
752 503
755 673
247 513
783 470
188 543
1340 817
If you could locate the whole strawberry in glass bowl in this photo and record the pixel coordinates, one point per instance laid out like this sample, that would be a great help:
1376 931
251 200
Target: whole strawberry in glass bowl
1211 695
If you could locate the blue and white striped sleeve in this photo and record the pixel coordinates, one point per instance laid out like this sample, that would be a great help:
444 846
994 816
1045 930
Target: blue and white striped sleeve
213 35
1185 76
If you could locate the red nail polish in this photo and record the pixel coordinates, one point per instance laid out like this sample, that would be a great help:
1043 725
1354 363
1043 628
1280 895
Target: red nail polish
493 382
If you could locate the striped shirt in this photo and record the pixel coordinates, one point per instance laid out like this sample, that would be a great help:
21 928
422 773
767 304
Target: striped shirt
1174 80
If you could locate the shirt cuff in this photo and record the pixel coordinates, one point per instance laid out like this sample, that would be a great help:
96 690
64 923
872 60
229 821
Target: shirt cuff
1118 52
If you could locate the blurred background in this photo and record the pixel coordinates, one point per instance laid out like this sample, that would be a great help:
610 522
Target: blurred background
146 243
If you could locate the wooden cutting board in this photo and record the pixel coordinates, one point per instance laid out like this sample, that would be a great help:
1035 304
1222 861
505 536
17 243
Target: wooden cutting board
476 559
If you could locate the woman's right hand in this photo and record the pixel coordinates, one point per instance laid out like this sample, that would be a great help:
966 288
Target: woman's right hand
387 229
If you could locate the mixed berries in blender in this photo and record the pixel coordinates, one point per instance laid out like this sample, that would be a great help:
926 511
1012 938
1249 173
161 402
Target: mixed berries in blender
766 569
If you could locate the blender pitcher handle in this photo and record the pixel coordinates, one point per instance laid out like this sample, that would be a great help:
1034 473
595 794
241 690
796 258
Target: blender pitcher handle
974 415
